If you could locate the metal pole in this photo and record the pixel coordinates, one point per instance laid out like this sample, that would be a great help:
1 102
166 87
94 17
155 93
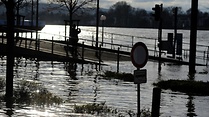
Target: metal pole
102 31
32 19
160 38
138 98
71 17
193 37
175 30
37 44
97 24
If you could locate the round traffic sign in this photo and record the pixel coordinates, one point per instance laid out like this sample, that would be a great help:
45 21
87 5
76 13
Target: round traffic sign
139 55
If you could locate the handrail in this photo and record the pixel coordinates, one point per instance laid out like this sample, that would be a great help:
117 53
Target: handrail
112 41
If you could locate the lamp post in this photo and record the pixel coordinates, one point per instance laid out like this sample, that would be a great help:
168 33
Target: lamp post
102 18
97 24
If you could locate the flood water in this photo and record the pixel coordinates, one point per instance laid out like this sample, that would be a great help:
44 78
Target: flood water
79 84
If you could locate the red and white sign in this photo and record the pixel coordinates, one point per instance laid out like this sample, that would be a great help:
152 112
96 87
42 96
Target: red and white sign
139 55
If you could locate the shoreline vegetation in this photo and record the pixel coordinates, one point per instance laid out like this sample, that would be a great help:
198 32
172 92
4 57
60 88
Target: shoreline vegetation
190 87
121 76
34 93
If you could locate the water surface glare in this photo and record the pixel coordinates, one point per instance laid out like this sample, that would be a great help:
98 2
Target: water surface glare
80 84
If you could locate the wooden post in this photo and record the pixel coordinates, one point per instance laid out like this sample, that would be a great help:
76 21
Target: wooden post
156 102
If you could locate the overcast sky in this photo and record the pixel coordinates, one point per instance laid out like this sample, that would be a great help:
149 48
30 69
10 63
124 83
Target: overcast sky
148 4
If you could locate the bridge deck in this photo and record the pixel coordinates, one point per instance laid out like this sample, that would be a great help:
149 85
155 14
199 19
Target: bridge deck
56 51
51 50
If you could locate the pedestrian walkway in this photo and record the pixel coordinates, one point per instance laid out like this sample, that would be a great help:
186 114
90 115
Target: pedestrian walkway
51 50
56 51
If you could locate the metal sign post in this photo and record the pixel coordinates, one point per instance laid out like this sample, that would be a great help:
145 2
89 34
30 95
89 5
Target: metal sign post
139 57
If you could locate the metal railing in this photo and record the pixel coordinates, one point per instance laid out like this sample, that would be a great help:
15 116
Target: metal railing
125 43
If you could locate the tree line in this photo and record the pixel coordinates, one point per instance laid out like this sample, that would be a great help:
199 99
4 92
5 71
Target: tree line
122 14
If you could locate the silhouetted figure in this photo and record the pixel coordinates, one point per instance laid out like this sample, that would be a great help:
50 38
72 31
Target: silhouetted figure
75 32
74 35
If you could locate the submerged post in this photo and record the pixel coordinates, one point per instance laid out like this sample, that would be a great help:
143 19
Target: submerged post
193 37
156 102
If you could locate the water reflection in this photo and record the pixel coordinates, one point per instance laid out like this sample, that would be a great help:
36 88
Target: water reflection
37 70
191 107
9 107
95 89
71 69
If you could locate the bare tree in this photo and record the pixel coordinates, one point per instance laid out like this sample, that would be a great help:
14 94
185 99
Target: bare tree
72 6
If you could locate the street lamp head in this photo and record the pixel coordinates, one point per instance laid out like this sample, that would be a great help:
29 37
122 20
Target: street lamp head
103 17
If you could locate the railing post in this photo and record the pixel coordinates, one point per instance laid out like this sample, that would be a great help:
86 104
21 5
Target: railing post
2 39
155 47
111 41
207 56
92 40
25 43
22 34
38 44
132 40
118 59
83 51
67 47
52 44
100 54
